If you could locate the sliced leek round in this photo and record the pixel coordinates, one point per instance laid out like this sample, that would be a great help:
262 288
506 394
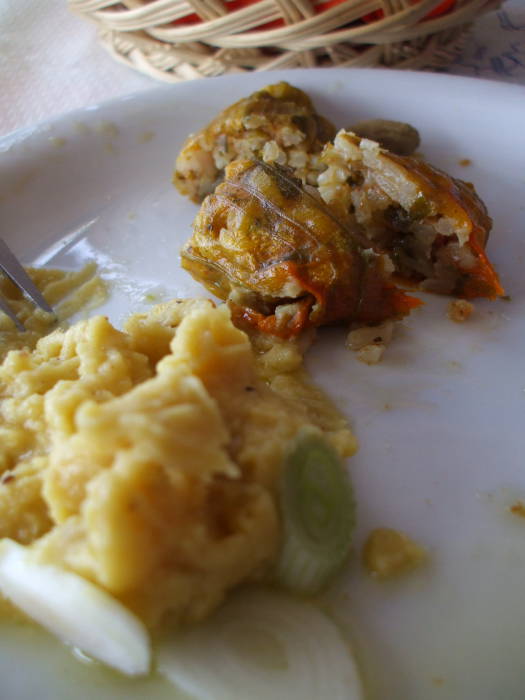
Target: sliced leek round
77 611
262 645
318 514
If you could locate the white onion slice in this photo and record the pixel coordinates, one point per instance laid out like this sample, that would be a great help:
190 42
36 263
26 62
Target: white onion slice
262 645
75 610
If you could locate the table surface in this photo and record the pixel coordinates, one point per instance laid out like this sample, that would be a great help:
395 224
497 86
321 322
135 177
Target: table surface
51 61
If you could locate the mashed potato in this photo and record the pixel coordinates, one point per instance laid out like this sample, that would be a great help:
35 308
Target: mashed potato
147 460
68 292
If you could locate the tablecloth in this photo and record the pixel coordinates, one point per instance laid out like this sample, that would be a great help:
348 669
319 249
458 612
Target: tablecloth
51 61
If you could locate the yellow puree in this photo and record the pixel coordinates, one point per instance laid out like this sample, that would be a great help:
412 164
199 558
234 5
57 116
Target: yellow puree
68 292
147 460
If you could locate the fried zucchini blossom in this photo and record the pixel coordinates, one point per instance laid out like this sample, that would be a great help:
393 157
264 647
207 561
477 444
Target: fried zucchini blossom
281 258
433 226
277 124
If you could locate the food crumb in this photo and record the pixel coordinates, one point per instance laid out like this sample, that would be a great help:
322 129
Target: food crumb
389 553
438 681
459 310
108 129
57 141
454 365
369 342
146 136
518 509
371 354
81 127
465 162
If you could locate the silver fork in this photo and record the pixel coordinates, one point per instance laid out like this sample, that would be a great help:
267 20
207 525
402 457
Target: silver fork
16 273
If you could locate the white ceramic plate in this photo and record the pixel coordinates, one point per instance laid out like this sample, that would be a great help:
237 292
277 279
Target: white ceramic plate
440 421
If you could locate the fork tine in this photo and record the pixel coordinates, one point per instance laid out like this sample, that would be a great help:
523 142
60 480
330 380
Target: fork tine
14 270
4 306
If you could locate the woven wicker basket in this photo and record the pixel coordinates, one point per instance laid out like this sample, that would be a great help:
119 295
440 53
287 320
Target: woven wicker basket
174 40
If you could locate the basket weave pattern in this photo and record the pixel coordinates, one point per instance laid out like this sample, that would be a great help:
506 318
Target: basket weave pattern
174 40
